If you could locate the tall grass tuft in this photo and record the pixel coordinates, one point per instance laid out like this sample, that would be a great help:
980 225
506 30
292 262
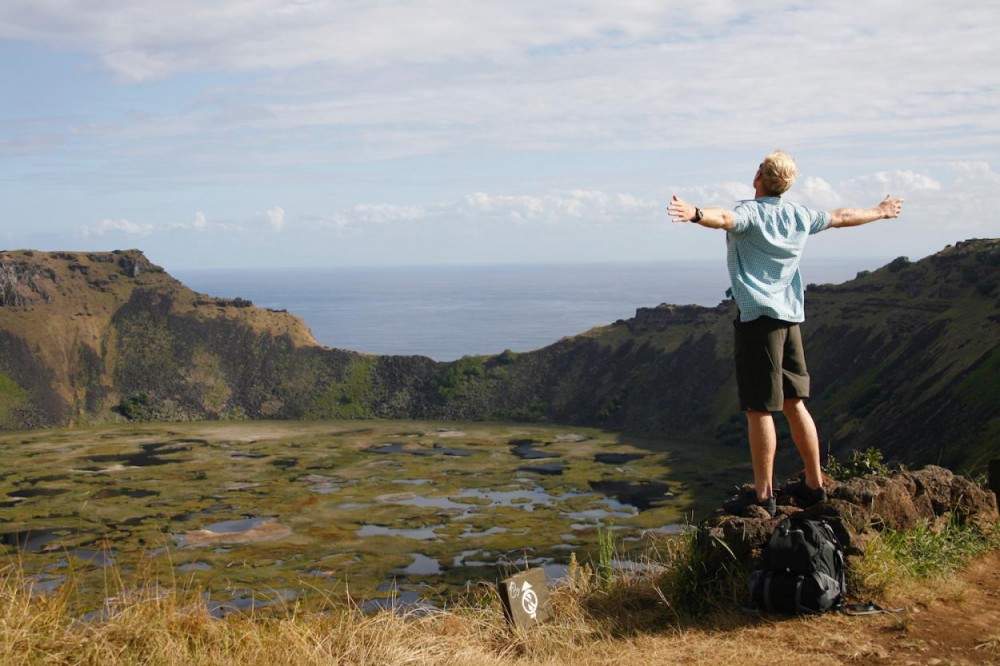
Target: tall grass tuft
605 555
895 558
700 581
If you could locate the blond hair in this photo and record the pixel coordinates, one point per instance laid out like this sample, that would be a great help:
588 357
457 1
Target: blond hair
778 172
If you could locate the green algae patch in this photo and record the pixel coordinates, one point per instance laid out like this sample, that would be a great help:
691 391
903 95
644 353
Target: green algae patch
329 508
13 398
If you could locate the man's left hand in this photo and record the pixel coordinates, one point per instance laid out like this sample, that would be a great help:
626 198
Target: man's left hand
680 210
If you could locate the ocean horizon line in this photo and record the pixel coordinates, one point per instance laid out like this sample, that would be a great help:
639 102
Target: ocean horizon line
720 260
445 312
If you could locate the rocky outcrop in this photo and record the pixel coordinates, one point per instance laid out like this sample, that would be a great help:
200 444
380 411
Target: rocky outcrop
22 283
665 316
133 264
858 509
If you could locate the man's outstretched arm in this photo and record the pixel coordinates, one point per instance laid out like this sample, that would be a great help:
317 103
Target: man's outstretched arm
852 217
714 218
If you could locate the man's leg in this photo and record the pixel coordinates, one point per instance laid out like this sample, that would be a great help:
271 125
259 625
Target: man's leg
763 443
795 389
806 439
758 351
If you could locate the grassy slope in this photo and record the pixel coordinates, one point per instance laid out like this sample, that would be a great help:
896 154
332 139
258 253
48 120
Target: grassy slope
905 358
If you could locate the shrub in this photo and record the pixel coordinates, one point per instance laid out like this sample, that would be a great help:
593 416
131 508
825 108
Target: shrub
506 357
462 371
858 463
898 264
135 408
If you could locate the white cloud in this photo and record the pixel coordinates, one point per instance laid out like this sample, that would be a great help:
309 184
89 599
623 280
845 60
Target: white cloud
573 207
974 172
895 183
972 200
546 112
139 41
120 226
383 213
518 208
435 75
276 218
570 207
199 223
722 195
817 193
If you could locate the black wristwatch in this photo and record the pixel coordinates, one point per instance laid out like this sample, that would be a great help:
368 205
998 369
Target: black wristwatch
698 215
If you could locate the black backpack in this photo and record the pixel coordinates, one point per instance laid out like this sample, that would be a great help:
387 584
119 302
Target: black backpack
802 569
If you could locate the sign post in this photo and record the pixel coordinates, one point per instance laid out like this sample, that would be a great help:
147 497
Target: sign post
525 598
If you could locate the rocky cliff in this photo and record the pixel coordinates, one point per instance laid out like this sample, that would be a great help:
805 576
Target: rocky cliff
98 336
905 358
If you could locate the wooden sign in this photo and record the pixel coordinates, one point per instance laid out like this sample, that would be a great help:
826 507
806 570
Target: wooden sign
525 598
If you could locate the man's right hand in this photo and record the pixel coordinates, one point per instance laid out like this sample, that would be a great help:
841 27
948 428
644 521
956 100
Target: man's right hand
853 217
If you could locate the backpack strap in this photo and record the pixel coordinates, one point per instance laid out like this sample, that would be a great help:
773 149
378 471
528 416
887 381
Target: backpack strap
866 608
839 554
799 608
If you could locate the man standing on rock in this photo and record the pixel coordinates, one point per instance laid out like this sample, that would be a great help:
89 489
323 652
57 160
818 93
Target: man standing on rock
765 237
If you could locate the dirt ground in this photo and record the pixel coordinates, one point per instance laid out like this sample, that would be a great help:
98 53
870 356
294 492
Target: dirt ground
958 630
944 623
949 622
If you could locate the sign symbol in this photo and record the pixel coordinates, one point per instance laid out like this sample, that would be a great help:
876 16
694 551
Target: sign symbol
529 600
525 603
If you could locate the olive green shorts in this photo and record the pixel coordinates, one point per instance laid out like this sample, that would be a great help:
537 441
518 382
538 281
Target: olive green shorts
770 364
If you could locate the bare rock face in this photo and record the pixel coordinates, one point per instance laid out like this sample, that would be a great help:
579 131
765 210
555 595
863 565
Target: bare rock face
857 509
133 263
889 500
22 283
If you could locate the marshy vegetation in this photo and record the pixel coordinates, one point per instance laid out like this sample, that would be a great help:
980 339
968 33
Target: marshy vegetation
380 543
388 512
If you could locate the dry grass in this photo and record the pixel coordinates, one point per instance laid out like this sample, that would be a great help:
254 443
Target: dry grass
991 644
629 622
632 619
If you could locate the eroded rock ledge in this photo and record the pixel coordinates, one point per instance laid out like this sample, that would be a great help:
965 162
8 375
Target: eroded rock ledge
857 509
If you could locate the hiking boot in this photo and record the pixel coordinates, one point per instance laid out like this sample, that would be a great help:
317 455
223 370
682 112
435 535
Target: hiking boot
808 496
768 505
744 497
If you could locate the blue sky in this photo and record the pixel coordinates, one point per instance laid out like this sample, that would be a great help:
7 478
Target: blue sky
241 133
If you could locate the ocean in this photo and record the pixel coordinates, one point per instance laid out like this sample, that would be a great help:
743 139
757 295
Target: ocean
446 312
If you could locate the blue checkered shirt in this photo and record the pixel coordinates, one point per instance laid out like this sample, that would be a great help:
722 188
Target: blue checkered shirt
764 248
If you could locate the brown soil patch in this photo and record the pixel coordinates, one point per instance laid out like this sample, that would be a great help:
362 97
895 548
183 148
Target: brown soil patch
948 622
958 624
